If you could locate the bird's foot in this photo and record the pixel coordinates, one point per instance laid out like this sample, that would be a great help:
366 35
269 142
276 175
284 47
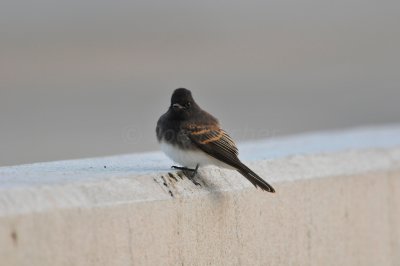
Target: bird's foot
194 171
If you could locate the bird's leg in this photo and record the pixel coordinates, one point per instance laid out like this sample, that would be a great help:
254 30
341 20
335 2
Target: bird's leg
194 171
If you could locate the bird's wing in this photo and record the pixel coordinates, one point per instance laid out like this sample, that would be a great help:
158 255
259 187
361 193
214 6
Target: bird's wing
214 141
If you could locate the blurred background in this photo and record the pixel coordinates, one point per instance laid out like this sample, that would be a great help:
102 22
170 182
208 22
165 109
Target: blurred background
90 78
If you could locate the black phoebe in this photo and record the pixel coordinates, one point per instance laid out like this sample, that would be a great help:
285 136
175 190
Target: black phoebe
192 137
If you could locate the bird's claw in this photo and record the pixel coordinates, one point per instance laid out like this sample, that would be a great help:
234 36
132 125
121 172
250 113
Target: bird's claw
194 171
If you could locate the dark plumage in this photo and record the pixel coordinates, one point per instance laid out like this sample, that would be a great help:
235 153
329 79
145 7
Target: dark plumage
185 127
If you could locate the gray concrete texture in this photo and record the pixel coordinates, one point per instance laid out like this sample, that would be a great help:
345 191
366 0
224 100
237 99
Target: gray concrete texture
90 78
335 205
343 220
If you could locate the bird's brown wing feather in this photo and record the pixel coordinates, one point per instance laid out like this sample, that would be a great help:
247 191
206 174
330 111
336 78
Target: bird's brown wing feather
216 142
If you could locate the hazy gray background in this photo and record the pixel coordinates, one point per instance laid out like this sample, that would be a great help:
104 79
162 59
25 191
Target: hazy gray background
90 78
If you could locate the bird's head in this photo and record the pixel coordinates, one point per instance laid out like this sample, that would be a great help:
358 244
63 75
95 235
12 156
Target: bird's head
182 103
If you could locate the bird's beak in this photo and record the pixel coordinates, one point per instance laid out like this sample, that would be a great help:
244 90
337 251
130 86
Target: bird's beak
177 106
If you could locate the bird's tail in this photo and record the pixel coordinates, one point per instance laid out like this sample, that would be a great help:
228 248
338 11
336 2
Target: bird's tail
254 178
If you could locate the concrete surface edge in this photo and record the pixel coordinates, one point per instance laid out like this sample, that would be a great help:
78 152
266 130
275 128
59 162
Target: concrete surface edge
337 208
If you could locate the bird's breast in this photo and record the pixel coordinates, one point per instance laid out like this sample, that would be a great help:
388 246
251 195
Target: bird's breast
189 157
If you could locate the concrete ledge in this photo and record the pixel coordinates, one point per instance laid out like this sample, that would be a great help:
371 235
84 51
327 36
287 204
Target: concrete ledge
337 203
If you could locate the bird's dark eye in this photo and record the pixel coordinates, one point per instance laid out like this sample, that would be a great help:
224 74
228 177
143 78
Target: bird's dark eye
187 105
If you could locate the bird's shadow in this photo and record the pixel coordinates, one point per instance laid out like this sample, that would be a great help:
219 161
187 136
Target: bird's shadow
199 181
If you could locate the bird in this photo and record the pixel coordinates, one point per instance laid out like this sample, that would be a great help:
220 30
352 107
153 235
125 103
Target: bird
192 138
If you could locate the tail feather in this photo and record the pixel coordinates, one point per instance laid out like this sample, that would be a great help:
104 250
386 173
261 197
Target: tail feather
256 180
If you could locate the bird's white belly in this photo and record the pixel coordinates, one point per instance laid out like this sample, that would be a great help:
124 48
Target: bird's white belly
190 158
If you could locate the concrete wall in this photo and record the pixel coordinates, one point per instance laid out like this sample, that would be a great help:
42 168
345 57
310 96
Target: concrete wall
337 203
